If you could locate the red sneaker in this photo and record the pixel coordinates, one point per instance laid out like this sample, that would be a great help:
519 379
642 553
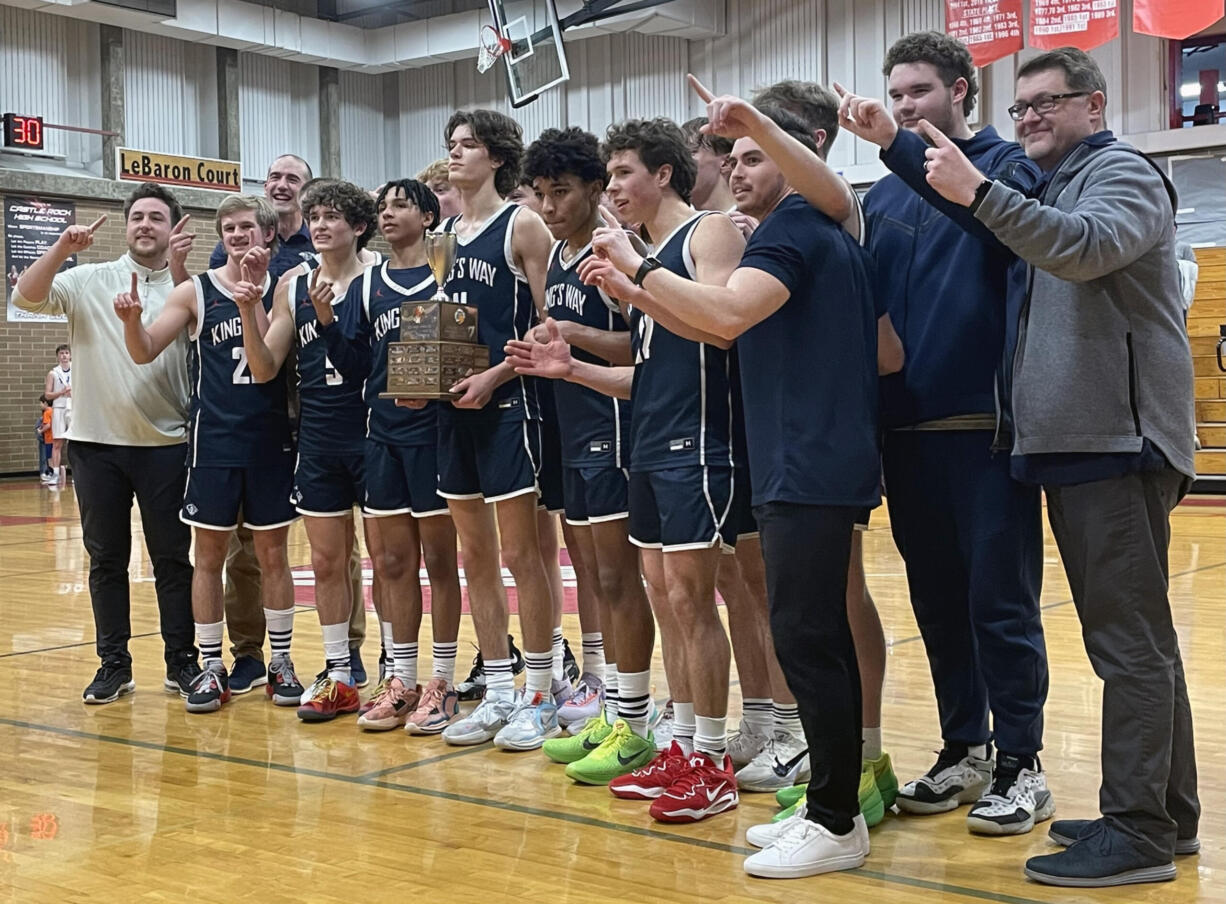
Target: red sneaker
704 790
326 699
650 781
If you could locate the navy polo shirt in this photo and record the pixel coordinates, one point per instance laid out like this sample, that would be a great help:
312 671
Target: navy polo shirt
809 371
290 253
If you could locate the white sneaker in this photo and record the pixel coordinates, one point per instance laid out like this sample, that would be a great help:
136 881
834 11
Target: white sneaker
954 779
533 721
744 745
482 724
661 726
1017 799
782 763
805 848
584 703
766 834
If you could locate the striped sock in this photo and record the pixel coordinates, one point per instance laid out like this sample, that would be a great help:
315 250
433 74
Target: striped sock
404 663
711 737
385 640
593 653
280 629
336 651
499 679
539 675
634 700
612 703
444 660
558 654
786 717
684 726
208 637
757 716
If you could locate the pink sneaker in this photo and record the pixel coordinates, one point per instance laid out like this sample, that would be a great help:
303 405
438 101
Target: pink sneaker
440 704
391 708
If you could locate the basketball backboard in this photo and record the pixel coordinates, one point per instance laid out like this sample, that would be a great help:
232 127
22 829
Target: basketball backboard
536 59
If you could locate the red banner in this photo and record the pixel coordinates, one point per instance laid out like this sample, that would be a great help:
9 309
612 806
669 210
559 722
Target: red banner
1073 23
1175 18
989 30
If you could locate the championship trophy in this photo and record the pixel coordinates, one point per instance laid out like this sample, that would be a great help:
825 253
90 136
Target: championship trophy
438 339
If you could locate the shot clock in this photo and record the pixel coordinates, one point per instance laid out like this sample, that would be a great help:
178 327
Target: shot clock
23 132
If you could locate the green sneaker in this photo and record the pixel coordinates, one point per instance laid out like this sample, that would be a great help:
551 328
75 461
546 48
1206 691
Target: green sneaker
789 797
577 746
871 804
622 751
887 781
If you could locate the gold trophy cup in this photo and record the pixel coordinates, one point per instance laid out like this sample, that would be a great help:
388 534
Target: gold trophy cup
438 339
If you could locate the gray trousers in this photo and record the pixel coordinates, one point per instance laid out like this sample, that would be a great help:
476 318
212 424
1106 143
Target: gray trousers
245 612
1113 537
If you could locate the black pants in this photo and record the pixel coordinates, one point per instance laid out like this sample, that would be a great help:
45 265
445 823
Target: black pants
1113 537
107 478
806 549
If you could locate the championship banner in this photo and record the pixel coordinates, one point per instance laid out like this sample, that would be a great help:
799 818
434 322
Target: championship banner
1084 24
1175 18
31 226
989 30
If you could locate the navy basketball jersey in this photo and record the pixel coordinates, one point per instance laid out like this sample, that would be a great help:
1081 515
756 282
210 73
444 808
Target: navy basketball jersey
682 390
595 428
485 276
383 291
235 421
333 414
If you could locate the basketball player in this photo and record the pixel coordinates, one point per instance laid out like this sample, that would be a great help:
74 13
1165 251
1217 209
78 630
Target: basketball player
404 513
489 437
568 177
58 391
435 176
328 475
241 457
805 284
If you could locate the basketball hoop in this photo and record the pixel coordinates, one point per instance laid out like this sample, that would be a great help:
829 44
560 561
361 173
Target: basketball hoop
492 46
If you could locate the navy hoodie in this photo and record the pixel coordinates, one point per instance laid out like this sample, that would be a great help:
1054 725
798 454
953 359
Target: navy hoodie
945 280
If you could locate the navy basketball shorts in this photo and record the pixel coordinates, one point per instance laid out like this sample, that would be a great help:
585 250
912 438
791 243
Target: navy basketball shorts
402 480
682 508
593 495
328 485
743 522
216 495
549 478
490 455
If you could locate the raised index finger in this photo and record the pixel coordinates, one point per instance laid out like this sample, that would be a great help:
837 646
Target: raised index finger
134 287
938 138
179 225
699 88
98 222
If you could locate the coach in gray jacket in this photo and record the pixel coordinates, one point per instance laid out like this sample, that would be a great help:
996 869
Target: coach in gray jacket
1102 404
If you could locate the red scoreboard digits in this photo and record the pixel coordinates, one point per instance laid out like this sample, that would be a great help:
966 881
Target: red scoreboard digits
23 132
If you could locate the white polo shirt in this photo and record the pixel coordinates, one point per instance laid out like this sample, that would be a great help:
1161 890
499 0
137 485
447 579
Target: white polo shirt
115 400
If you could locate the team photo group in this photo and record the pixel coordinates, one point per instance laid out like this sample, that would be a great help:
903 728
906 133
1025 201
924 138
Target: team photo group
708 360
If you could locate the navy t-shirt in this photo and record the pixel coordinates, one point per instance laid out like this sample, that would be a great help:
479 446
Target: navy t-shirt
290 253
809 371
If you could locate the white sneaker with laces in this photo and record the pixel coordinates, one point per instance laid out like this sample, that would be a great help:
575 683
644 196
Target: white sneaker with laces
782 763
533 721
585 703
744 745
765 834
482 724
806 848
661 726
955 779
1013 804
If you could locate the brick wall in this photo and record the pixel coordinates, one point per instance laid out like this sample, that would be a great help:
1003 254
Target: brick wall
27 349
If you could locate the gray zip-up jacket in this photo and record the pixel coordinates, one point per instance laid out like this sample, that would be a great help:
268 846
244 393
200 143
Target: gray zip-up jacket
1102 359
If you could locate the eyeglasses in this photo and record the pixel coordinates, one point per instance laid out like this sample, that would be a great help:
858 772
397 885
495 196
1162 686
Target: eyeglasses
1044 104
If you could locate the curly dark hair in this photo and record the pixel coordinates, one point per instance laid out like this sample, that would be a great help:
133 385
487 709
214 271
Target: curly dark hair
417 193
658 142
154 190
947 55
350 201
716 144
561 151
816 106
502 137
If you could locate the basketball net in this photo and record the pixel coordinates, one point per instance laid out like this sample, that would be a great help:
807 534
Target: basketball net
491 47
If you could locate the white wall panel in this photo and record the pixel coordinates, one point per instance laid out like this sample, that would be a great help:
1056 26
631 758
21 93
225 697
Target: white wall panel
362 146
427 100
278 112
170 103
34 81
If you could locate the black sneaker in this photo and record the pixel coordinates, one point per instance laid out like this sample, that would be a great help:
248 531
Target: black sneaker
517 658
1101 858
1017 799
110 683
1066 832
210 690
180 675
283 684
570 668
357 668
473 687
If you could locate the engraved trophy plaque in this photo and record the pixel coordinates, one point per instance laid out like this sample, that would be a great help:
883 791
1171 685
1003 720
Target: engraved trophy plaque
438 339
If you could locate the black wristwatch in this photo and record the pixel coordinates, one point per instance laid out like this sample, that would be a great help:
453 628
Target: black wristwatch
981 192
648 264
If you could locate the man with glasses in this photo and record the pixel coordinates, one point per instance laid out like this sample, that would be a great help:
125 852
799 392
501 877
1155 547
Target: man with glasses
971 535
1102 392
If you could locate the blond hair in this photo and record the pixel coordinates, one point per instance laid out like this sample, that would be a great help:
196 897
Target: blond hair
435 173
265 216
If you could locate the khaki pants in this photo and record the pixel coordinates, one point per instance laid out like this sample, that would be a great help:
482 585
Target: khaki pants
245 612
